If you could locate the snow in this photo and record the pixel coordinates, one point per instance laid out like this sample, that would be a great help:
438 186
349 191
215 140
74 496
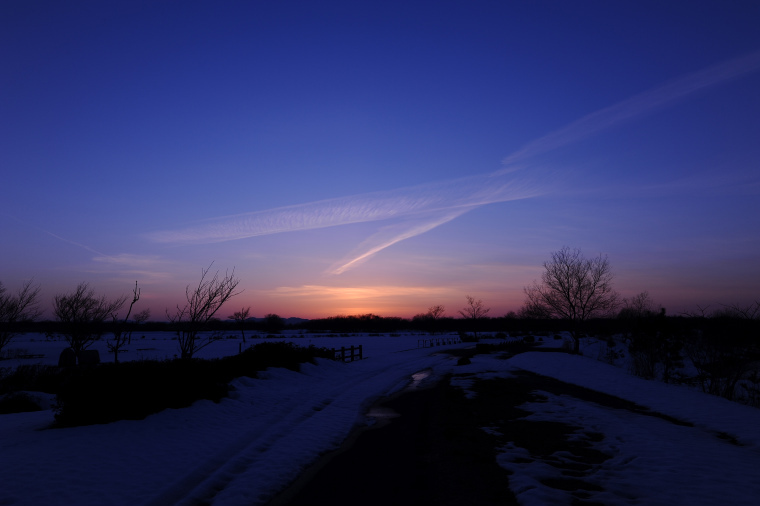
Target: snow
247 447
653 461
240 451
710 412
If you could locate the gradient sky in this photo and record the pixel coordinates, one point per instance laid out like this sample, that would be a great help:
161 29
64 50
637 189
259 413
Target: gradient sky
354 157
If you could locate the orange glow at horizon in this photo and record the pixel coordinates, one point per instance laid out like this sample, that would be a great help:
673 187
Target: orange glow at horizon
317 301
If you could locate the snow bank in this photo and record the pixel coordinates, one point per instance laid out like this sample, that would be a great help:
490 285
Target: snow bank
708 411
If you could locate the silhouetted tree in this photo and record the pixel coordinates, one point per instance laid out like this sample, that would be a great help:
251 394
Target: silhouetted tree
430 321
475 311
81 314
747 312
436 312
637 307
573 288
240 317
15 308
139 318
274 323
202 304
122 332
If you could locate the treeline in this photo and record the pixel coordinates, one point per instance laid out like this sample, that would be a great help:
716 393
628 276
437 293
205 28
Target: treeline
371 323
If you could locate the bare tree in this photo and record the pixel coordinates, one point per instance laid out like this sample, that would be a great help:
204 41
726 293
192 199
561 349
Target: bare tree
274 323
202 304
533 311
574 288
748 312
430 320
475 311
435 315
436 312
240 317
638 306
700 312
81 314
17 308
138 318
122 333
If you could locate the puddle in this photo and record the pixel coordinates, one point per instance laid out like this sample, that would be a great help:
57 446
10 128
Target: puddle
418 378
379 415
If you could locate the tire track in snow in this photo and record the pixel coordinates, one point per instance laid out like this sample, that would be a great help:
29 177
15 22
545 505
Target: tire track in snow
265 455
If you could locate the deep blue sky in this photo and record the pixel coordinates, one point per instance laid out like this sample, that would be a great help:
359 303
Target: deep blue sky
351 157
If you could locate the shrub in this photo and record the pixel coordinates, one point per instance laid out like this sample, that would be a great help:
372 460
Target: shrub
17 402
134 390
467 338
512 347
33 377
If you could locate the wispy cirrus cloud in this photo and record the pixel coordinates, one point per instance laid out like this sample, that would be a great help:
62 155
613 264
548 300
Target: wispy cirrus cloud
416 210
148 268
412 211
638 106
131 260
403 202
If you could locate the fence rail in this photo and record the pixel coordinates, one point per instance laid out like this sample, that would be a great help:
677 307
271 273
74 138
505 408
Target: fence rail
438 341
348 354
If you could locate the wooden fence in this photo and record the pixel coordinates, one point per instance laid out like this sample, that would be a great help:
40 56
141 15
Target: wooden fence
348 354
438 341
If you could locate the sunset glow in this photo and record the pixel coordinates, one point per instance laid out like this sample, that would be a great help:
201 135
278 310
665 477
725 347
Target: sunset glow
351 158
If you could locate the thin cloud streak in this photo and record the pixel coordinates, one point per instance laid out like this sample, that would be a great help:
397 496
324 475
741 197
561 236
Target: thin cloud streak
434 197
132 260
428 206
390 235
56 236
638 105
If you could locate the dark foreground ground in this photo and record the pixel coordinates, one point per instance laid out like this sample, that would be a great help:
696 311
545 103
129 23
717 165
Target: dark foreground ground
436 452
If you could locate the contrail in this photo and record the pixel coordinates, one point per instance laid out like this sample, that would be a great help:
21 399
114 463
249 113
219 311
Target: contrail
83 246
426 207
51 234
390 235
442 196
639 105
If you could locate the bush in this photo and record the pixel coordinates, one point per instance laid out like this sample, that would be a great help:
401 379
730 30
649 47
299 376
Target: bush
134 390
18 402
467 338
512 347
37 378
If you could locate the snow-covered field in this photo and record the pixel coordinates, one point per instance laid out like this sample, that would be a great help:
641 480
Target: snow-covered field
163 345
653 461
242 450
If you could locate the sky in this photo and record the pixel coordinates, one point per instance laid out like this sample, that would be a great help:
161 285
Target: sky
383 157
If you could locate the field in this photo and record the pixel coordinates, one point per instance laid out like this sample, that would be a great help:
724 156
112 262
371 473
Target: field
699 449
163 345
